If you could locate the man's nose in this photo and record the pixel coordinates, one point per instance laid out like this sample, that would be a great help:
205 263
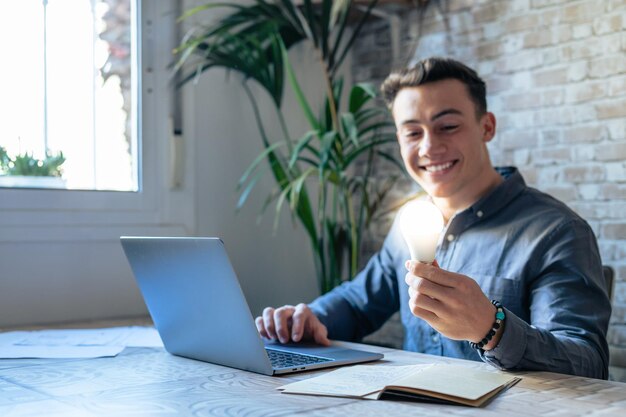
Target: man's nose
430 145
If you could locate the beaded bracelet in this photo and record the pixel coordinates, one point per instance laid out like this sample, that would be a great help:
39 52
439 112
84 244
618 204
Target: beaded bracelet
496 325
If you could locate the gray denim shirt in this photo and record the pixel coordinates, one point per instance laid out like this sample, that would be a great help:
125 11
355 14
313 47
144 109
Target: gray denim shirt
525 249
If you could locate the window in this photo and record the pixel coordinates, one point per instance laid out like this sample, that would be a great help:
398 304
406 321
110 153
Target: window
59 249
67 111
53 213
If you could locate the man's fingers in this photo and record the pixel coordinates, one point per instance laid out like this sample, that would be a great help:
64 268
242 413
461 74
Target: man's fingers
300 316
305 325
429 316
433 273
260 327
268 322
292 323
320 334
422 300
282 316
429 288
427 303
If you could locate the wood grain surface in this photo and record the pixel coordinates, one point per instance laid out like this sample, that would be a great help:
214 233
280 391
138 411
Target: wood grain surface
151 382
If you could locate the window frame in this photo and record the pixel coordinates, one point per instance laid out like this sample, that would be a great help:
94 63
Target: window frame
61 214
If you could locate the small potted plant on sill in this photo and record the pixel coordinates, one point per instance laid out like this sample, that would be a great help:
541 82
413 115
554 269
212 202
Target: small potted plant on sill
26 171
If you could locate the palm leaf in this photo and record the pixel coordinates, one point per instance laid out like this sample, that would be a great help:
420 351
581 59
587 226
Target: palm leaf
325 27
358 151
246 192
350 128
378 129
296 189
359 95
302 101
364 115
326 151
340 14
198 9
253 40
392 159
259 158
279 203
355 33
302 144
309 15
305 211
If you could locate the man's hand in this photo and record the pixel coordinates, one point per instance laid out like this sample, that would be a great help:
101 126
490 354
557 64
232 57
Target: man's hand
292 323
453 304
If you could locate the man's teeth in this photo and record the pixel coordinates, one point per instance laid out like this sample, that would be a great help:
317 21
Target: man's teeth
436 168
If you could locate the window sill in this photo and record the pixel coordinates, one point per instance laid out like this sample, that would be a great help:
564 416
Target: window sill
24 181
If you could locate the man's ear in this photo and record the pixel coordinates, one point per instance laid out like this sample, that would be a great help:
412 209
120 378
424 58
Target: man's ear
488 123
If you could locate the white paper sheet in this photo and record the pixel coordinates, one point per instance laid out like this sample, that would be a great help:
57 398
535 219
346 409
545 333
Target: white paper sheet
76 343
143 337
353 381
58 352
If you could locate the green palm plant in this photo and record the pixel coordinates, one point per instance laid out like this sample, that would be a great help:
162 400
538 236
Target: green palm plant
254 40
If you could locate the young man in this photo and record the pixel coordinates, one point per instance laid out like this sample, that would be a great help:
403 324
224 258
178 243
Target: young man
518 280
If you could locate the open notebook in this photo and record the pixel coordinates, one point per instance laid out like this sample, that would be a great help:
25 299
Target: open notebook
440 383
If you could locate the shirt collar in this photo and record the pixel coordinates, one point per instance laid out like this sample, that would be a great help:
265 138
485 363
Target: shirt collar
503 194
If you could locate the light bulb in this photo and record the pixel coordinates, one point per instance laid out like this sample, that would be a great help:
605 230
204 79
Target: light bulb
421 223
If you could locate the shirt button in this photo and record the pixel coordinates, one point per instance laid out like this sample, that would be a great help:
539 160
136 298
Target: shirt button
479 213
450 237
436 338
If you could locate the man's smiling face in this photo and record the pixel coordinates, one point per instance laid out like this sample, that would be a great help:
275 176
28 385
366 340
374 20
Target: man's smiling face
443 140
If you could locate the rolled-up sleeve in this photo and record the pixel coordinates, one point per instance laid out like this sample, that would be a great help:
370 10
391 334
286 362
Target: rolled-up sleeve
569 310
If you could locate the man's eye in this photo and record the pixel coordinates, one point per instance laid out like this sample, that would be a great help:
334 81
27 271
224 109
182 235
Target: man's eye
412 134
449 128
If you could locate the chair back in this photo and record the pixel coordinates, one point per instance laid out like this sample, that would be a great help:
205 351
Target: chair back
608 273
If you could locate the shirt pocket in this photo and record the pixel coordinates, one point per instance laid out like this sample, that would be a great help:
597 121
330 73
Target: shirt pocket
509 291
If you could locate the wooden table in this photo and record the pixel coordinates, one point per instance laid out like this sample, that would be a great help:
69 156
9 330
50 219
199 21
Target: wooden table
151 382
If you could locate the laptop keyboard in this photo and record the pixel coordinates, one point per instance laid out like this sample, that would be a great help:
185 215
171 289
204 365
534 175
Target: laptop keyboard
281 359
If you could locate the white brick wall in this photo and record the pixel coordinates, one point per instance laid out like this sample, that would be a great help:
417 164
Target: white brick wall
556 77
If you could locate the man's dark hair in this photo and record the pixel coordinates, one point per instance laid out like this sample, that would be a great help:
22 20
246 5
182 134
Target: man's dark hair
436 69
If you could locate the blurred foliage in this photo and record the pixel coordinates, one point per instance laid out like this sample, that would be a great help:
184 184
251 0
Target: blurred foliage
27 165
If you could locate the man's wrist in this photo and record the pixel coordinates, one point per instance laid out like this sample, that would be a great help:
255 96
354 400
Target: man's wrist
496 339
492 337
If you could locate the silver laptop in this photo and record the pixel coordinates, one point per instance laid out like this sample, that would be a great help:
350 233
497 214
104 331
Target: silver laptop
193 295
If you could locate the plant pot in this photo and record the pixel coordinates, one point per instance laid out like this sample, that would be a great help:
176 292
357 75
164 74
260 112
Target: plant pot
27 181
